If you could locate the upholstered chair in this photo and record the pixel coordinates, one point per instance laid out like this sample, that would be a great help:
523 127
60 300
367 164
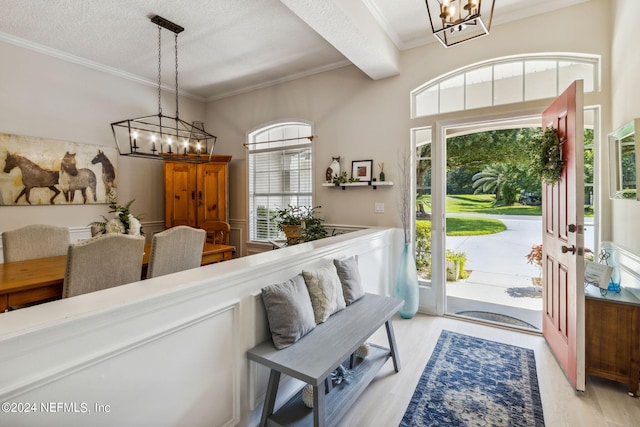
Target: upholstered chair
175 249
34 241
217 232
102 262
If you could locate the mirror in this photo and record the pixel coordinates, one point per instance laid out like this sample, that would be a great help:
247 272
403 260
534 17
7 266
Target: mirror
623 168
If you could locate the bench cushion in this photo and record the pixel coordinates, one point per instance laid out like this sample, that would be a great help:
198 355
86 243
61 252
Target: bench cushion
289 311
325 291
349 275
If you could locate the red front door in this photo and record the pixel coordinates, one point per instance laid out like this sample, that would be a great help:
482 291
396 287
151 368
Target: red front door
563 239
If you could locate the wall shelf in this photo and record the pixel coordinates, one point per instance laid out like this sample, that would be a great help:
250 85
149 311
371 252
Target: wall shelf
374 184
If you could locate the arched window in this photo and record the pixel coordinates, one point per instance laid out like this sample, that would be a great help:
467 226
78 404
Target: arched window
280 174
505 80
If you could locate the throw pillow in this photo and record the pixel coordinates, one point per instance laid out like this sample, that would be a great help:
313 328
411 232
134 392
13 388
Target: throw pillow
349 275
325 291
289 311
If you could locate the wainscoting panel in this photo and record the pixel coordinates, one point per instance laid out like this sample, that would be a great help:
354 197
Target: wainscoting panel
170 350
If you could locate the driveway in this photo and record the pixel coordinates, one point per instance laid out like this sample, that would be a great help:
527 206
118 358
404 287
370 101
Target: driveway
505 252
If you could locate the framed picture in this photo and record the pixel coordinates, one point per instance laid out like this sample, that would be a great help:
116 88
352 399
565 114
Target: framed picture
40 171
361 170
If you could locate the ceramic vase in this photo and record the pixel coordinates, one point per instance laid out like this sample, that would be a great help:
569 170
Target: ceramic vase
406 286
382 176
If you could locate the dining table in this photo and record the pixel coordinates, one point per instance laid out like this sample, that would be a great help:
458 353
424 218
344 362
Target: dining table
34 280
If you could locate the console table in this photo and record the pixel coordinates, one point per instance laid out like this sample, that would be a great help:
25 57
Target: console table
612 336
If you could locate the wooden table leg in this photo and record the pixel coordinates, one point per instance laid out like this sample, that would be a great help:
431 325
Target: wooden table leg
270 397
393 349
318 407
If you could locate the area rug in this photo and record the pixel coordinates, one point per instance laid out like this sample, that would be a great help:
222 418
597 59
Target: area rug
470 381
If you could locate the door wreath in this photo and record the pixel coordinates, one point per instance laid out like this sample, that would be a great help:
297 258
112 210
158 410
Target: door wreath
545 154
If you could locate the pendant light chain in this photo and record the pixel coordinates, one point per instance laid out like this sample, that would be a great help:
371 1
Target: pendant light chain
159 70
177 114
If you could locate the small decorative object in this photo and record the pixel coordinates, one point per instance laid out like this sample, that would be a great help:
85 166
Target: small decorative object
341 374
545 154
361 169
608 256
406 284
340 179
333 170
363 351
307 396
123 221
381 166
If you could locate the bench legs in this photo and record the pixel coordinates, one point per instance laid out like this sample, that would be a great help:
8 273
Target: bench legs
270 397
318 406
393 349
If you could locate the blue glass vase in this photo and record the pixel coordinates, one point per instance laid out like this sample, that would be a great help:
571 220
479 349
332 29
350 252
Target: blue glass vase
406 287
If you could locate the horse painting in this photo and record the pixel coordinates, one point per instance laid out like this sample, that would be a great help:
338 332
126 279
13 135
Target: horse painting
108 172
73 179
33 176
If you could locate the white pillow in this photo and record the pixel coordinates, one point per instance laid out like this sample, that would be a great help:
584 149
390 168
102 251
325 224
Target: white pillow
325 291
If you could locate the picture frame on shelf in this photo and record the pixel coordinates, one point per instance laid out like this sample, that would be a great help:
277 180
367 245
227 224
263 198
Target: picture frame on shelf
362 170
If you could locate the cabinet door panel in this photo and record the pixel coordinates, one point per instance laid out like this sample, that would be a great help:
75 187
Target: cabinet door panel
180 194
212 193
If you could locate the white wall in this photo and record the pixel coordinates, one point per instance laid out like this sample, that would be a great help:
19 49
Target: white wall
357 118
625 106
168 351
50 98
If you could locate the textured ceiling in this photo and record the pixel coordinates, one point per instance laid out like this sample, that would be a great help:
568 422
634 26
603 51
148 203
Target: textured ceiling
232 46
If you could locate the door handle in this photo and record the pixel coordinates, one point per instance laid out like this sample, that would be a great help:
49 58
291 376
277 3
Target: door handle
566 249
571 228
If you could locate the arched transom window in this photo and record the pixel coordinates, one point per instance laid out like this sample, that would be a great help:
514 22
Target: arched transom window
505 81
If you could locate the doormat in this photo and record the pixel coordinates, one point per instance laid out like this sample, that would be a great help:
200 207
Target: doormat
470 381
498 318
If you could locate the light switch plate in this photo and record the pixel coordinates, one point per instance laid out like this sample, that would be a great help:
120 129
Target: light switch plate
379 208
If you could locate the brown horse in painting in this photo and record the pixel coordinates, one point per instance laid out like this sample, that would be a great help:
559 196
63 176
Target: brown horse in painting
108 172
33 176
73 179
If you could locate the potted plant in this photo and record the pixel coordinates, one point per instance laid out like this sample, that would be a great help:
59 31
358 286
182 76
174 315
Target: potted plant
535 257
455 265
300 224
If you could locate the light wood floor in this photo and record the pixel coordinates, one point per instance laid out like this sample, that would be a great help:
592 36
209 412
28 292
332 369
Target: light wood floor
604 403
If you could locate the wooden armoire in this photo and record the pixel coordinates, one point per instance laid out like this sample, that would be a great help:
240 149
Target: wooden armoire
195 193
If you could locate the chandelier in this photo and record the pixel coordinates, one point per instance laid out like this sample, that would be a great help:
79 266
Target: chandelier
456 21
159 136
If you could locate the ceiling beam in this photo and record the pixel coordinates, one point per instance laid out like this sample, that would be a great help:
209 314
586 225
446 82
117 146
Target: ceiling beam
353 31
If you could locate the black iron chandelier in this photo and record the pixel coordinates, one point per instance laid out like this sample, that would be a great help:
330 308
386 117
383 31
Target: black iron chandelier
159 136
457 21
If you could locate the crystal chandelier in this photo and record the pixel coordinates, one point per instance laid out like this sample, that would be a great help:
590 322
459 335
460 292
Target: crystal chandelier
159 136
457 21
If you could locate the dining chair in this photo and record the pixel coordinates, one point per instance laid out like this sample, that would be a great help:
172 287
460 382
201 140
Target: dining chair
175 249
217 232
102 262
34 241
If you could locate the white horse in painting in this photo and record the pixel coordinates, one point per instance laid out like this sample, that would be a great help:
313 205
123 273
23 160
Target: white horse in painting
73 179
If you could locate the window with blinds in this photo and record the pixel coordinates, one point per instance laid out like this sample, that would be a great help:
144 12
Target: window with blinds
280 174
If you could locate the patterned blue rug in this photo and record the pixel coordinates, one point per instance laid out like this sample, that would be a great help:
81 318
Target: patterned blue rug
469 381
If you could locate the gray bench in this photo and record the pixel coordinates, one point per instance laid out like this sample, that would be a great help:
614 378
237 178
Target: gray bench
314 357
